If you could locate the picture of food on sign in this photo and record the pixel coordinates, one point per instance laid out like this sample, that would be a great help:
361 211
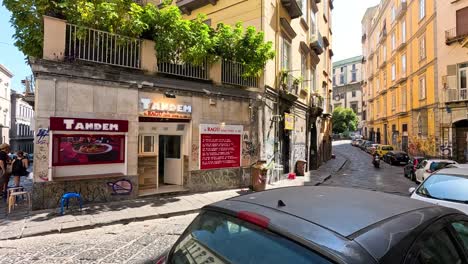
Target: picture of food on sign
88 149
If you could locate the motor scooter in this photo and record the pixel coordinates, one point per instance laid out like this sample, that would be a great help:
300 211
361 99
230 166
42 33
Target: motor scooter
376 161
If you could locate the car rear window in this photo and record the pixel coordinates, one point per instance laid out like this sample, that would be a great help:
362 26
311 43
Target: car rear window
435 166
387 148
219 238
445 187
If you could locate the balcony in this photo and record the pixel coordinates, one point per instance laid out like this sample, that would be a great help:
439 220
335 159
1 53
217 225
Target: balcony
401 10
173 65
316 43
69 43
401 78
402 108
383 36
187 6
456 35
456 95
326 41
233 73
402 45
293 8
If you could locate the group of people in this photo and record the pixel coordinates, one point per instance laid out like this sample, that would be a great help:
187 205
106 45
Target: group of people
17 167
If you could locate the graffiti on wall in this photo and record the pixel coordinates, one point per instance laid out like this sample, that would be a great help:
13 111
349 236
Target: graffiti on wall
42 136
208 180
299 151
195 154
422 146
121 187
445 149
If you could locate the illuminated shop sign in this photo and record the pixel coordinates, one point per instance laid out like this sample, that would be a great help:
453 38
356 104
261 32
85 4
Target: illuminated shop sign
82 124
164 110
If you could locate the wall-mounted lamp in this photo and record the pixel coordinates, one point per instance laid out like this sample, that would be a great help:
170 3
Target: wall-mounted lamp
170 94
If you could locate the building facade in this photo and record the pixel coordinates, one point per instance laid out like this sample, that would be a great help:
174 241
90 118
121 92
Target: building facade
122 129
5 86
296 84
452 69
21 132
347 90
399 45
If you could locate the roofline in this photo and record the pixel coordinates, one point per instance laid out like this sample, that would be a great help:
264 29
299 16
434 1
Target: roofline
348 61
6 71
368 11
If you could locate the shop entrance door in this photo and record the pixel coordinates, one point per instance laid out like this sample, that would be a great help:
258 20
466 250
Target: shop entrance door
170 160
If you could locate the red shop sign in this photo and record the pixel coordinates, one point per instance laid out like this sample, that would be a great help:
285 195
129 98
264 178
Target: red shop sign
84 124
220 151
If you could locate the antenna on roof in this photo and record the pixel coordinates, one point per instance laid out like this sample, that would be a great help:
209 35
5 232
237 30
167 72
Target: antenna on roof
281 203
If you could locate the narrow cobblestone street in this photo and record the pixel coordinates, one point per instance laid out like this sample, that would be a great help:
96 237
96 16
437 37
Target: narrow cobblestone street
360 173
140 242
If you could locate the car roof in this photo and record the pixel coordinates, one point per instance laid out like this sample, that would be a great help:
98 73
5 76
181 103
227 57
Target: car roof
329 206
454 171
439 160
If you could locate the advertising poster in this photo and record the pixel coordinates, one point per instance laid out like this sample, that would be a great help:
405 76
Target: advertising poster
220 146
288 121
86 149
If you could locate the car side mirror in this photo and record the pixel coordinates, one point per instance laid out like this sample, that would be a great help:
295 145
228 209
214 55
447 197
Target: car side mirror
411 190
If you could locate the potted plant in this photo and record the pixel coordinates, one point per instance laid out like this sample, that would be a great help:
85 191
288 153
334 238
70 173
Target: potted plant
284 79
296 82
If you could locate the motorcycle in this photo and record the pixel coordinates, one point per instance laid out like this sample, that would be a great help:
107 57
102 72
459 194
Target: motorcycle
376 161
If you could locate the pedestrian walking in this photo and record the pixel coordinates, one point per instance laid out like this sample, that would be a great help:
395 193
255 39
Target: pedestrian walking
19 167
5 167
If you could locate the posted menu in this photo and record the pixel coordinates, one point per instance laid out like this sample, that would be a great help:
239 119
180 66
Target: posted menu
220 146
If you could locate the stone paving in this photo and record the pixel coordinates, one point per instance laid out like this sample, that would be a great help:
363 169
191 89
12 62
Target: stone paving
23 223
360 173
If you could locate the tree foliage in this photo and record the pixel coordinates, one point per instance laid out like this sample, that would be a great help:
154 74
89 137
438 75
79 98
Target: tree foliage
177 39
344 119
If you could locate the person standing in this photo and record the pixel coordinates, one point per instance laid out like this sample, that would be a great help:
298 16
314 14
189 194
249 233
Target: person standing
19 167
4 161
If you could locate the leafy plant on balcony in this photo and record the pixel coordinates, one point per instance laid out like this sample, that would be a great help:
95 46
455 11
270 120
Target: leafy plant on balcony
178 40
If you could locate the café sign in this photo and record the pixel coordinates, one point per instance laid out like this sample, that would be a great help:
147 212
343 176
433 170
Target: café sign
159 109
83 124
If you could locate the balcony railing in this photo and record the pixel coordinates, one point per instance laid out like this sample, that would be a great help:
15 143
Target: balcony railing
401 9
233 73
293 8
93 45
456 95
382 35
454 35
316 43
174 65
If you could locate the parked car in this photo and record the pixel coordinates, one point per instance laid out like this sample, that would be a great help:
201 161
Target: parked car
356 142
410 168
456 165
446 187
366 145
396 157
371 149
363 144
383 149
305 225
427 167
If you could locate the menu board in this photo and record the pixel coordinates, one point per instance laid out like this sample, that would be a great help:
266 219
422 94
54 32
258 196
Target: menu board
220 146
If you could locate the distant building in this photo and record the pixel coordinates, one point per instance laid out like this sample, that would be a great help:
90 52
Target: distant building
347 90
21 132
5 83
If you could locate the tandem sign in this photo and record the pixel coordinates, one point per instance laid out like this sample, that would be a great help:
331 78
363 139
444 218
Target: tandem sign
159 109
83 124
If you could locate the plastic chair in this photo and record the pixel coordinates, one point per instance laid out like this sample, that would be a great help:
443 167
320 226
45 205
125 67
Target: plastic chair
12 199
65 199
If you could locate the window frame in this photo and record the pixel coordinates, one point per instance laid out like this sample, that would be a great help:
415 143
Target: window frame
422 9
393 71
286 43
422 88
403 31
422 47
441 224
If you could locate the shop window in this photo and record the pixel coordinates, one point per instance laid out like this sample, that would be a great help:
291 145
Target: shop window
146 144
87 149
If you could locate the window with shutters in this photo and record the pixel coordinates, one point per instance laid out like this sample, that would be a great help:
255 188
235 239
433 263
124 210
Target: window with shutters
422 87
462 22
422 47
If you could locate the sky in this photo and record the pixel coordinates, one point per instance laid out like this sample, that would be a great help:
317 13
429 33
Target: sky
347 16
346 27
10 56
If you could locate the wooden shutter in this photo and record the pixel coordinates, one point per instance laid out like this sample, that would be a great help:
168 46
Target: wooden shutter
462 22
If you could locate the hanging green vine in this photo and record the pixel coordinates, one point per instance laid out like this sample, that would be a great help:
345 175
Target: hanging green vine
177 39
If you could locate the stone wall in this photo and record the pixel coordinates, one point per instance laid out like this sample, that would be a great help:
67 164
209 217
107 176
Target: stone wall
47 195
214 180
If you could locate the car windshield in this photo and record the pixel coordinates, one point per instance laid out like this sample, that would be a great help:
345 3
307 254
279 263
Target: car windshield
445 187
219 238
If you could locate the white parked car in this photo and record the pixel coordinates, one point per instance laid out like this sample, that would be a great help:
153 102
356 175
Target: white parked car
446 187
427 167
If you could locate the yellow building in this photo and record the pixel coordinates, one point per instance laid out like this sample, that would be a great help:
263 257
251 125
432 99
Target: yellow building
301 35
400 65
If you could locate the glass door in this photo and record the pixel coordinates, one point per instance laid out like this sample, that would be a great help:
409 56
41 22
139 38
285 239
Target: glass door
170 160
462 73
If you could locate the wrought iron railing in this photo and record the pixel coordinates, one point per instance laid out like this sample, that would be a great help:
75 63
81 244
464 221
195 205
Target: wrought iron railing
456 95
234 73
93 45
175 65
453 35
